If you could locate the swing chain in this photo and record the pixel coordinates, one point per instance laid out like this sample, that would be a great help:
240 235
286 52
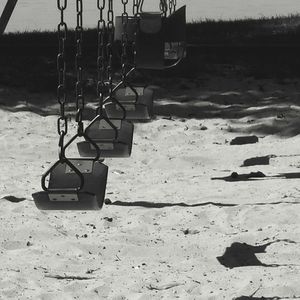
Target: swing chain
172 6
124 61
101 56
79 68
62 5
110 30
62 121
163 7
135 8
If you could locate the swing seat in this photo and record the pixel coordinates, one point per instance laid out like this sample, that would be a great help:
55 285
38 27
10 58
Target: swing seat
140 109
110 145
131 28
160 41
175 51
63 191
150 42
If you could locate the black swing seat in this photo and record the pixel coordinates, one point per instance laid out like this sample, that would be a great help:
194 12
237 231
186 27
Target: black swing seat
63 182
160 41
110 144
140 109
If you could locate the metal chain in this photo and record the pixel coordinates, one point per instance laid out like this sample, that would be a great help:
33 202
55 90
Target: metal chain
79 67
163 5
101 56
136 11
172 6
62 121
136 7
110 31
124 57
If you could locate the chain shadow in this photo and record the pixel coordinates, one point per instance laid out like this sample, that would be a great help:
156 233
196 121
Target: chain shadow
147 204
263 298
255 176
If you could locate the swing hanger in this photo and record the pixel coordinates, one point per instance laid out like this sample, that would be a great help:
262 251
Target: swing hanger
113 135
74 183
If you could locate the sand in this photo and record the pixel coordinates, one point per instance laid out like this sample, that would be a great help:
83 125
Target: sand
169 224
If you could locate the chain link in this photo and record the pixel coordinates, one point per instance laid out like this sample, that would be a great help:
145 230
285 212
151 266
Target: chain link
136 7
62 121
170 7
79 67
62 4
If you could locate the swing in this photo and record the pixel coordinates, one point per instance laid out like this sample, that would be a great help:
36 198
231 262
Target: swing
74 184
160 40
137 101
112 134
175 35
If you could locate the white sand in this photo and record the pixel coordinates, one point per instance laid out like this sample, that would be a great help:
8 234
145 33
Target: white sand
143 253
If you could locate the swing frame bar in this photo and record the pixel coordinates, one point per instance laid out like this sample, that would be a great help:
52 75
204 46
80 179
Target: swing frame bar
6 14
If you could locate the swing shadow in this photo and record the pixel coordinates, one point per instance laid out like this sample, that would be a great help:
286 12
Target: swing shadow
147 204
243 255
265 298
256 176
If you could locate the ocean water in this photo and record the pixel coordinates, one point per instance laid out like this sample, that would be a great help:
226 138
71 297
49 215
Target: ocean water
43 14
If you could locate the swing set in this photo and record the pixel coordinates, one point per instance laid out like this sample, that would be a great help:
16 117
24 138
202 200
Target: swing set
146 41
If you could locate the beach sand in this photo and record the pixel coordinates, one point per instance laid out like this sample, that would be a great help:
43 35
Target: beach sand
169 224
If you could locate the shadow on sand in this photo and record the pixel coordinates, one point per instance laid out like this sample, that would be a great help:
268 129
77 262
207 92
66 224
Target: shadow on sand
255 176
274 111
163 205
243 255
147 204
264 298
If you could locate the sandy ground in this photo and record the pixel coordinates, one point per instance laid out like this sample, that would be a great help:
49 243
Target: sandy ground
169 221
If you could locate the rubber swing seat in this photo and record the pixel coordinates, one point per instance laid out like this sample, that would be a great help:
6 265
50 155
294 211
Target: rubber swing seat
109 143
63 192
140 109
